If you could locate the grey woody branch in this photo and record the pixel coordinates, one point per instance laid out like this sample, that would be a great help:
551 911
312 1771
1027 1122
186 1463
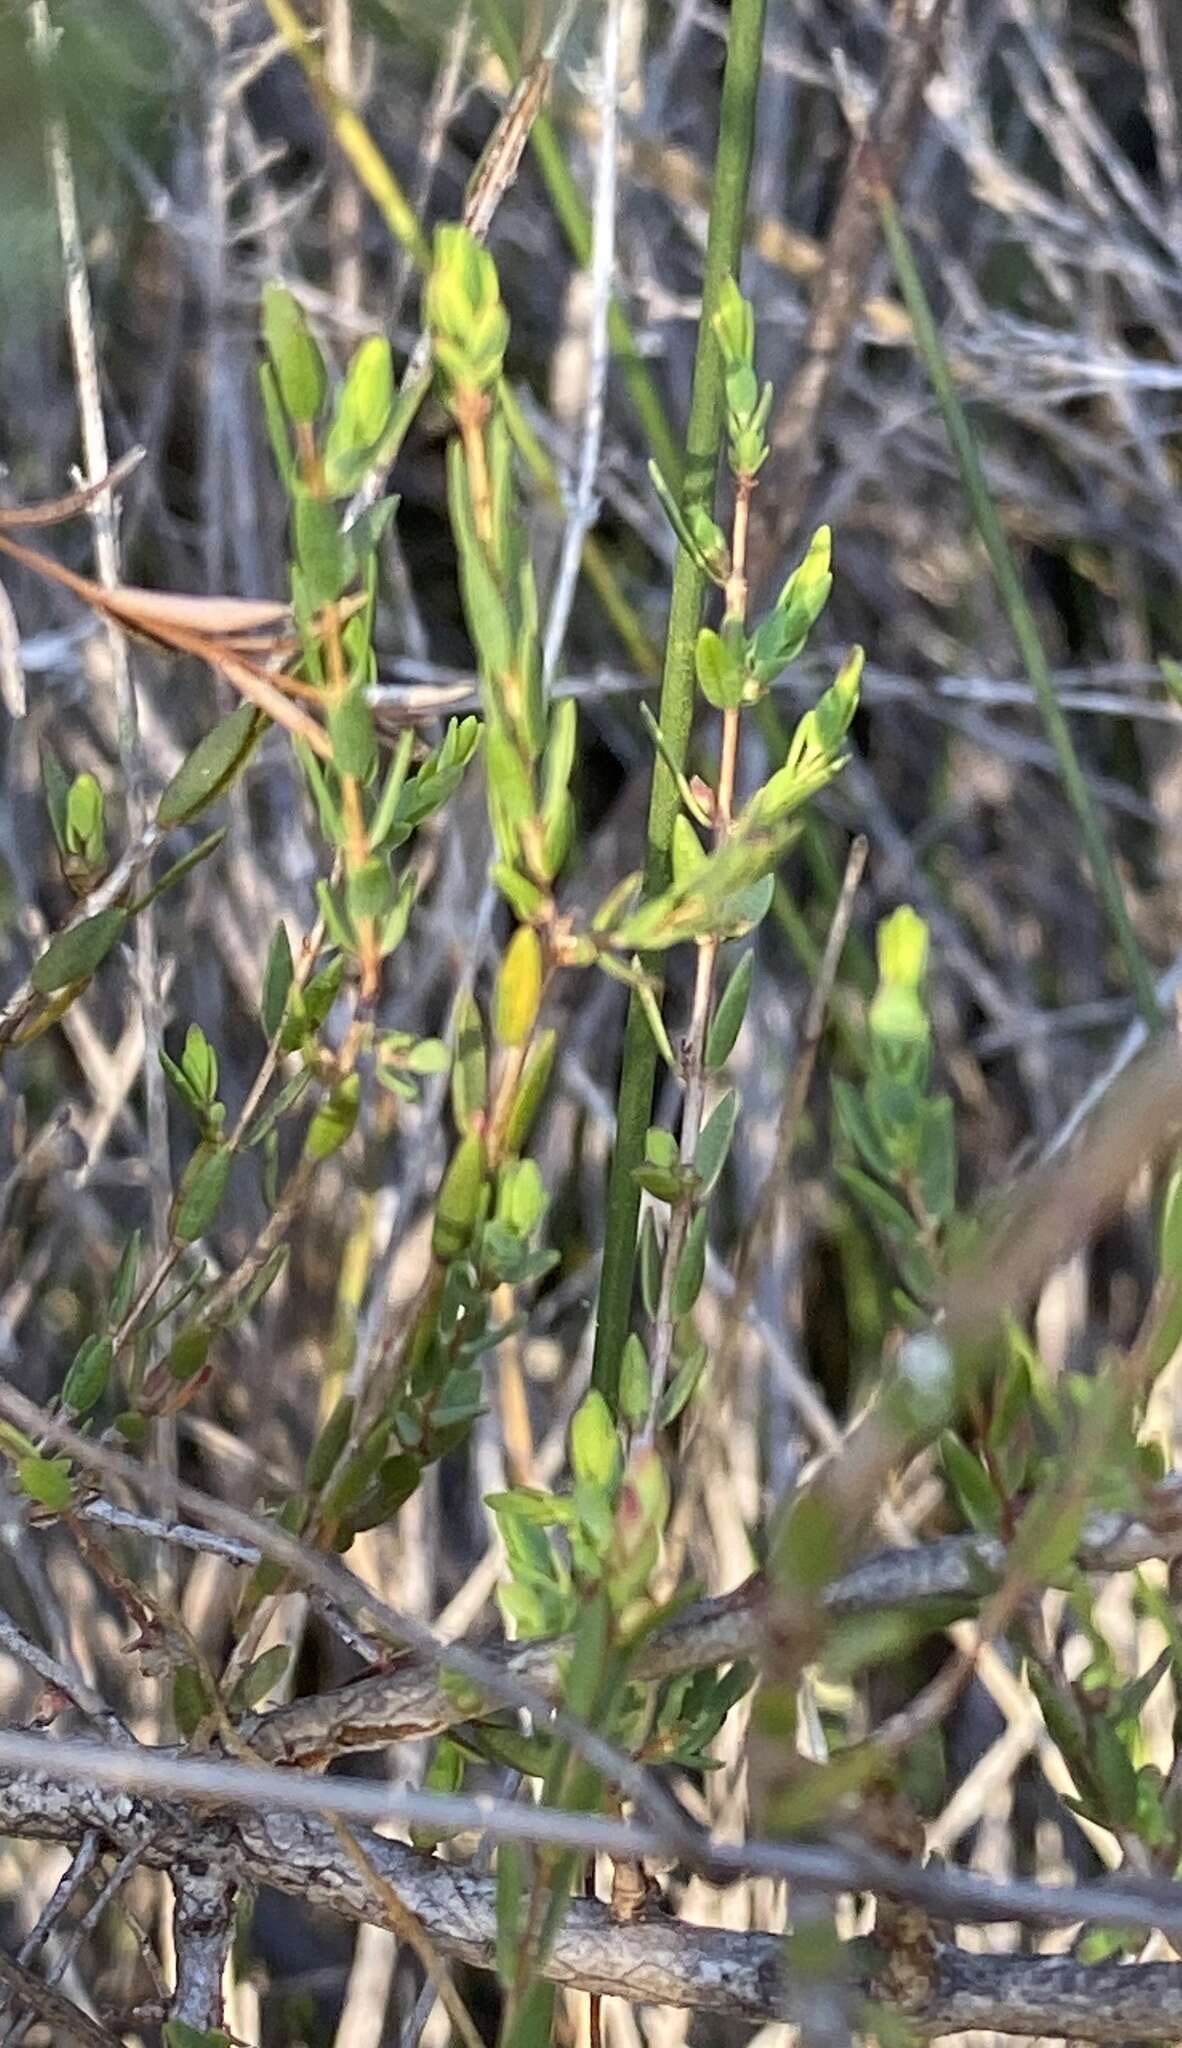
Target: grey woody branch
411 1700
657 1960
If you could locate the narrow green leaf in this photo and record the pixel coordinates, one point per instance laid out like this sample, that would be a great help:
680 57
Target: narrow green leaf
535 1078
190 1705
86 1382
469 1080
519 987
714 1141
278 976
727 1021
635 1383
354 739
199 1195
295 355
75 953
207 772
691 1266
187 1353
260 1677
361 415
126 1274
650 1264
973 1489
326 1450
459 1198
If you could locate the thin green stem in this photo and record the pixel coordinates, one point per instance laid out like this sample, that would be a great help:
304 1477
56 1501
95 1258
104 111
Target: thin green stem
723 252
1020 615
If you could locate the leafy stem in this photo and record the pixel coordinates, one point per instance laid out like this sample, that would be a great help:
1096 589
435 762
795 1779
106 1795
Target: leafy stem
686 1207
707 412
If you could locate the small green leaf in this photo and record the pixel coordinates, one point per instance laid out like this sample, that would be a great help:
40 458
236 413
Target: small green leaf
894 1219
535 1077
187 1353
199 1062
459 1198
714 1141
691 1267
519 987
278 976
652 1014
683 1384
278 428
973 1489
190 1701
207 772
398 1477
521 1200
86 1382
635 1383
199 1195
354 740
386 811
47 1481
727 1021
524 897
261 1677
361 415
446 1775
369 890
295 356
84 820
861 1130
320 549
1113 1770
429 1056
325 1452
355 1475
902 944
469 1079
782 635
719 671
594 1442
689 856
334 1120
126 1274
937 1158
650 1264
75 953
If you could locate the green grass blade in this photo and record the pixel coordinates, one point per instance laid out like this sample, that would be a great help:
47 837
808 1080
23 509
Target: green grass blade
1018 610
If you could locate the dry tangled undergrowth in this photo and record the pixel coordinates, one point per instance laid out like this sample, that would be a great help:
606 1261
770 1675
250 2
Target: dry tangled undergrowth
1000 1692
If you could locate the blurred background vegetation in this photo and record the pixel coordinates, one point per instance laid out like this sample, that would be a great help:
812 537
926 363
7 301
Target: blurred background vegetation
1040 176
